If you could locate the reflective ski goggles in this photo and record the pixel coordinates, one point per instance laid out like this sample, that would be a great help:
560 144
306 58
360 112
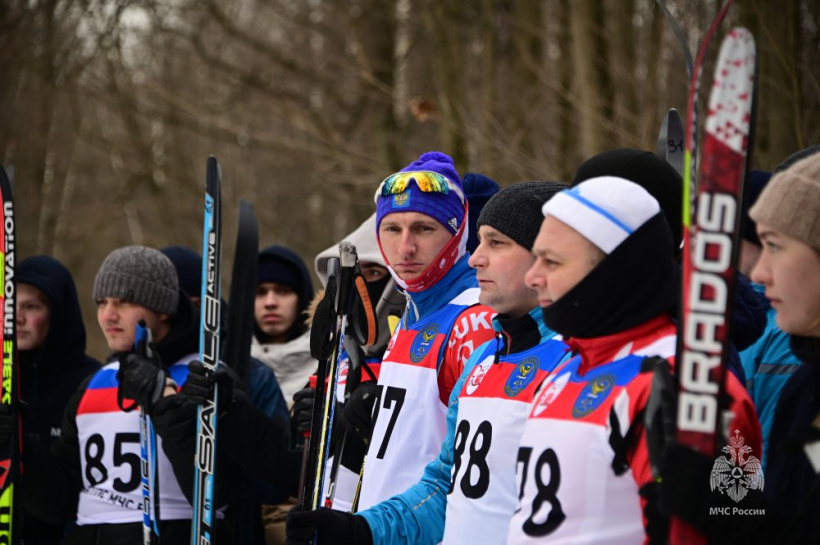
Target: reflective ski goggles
427 181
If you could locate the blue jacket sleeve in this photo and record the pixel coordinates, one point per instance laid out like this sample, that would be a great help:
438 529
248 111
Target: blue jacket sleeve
265 393
417 515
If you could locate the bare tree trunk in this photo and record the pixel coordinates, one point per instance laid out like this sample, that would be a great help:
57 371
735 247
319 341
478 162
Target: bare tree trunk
776 28
623 66
590 63
566 157
446 35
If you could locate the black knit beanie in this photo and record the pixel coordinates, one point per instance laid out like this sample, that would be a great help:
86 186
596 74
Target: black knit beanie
515 211
647 170
140 275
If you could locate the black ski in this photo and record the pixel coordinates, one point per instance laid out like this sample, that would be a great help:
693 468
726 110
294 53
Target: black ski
671 139
237 351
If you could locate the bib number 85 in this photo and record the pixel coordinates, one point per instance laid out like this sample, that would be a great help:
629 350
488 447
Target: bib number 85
95 470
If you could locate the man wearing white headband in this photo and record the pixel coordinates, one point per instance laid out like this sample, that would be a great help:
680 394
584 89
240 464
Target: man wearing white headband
607 281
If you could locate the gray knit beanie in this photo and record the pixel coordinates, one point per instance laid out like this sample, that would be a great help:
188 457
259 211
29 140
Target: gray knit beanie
140 275
515 211
791 202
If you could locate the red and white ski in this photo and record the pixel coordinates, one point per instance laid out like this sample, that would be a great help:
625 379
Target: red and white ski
710 256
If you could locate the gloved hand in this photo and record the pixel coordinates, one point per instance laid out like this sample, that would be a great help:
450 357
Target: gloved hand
8 424
199 385
331 527
141 379
303 410
661 411
684 486
358 409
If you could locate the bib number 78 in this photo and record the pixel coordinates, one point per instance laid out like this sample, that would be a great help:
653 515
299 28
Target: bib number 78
545 492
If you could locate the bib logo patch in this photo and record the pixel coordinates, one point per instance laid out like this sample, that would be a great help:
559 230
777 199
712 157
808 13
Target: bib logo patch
521 376
402 200
423 343
593 395
478 375
552 390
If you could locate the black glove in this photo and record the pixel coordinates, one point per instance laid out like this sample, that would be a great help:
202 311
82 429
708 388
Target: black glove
358 409
8 424
199 385
661 411
141 379
331 527
303 410
684 486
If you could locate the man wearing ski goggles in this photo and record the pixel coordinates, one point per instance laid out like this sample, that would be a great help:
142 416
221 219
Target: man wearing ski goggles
426 181
421 219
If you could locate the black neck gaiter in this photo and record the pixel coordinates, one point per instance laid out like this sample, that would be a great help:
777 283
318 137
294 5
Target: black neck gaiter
520 333
638 281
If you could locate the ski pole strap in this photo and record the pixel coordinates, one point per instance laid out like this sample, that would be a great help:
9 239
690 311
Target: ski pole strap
365 333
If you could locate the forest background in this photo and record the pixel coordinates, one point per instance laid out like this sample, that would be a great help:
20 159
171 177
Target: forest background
109 108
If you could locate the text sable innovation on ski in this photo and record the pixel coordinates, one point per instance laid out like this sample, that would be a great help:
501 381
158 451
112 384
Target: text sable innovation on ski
711 253
202 529
9 395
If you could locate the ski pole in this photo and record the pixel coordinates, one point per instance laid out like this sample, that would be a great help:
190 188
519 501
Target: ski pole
142 342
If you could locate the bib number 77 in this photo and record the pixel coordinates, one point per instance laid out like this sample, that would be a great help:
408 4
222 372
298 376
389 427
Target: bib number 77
392 399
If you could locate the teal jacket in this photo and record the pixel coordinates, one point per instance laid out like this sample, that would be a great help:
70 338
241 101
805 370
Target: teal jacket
416 516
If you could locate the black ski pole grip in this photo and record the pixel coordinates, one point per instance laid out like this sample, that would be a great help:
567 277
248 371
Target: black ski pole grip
347 261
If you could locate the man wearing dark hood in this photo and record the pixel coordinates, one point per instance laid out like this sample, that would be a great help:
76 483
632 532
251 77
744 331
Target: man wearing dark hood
281 336
51 343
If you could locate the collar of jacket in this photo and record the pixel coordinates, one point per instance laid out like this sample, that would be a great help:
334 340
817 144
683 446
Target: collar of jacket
597 351
459 278
522 333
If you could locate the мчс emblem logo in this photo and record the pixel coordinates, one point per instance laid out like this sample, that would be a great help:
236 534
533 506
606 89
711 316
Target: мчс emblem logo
423 342
593 395
736 474
521 376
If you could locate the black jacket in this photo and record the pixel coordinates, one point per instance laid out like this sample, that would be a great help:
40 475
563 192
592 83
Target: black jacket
53 481
51 374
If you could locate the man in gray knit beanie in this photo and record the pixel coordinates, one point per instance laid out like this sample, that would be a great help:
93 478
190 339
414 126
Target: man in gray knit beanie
133 283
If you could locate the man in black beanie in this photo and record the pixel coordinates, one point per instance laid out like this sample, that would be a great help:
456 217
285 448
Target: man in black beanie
488 406
647 170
